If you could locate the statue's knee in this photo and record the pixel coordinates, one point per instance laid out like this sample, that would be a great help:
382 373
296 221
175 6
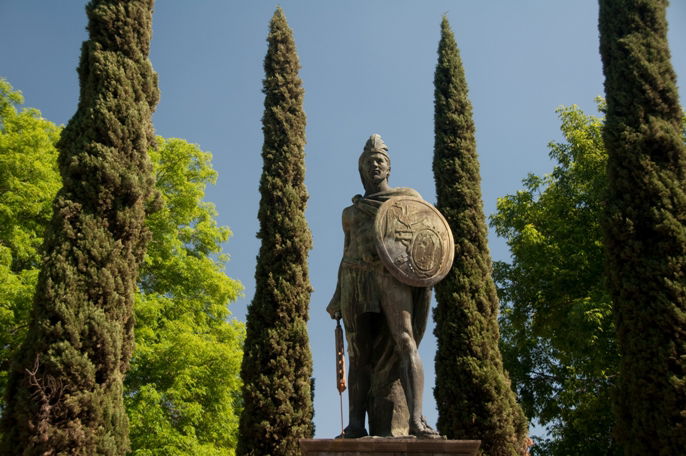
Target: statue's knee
406 344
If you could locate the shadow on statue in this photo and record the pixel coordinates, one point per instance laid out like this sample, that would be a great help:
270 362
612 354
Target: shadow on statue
388 413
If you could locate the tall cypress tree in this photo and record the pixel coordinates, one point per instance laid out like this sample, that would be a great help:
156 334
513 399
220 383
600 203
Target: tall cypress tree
65 388
277 364
645 225
473 393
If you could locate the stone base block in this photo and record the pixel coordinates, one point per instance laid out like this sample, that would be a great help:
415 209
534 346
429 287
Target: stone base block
388 447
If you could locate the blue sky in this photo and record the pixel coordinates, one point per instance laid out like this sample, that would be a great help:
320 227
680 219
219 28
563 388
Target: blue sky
367 67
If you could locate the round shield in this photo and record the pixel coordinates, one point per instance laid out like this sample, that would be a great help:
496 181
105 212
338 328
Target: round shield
413 241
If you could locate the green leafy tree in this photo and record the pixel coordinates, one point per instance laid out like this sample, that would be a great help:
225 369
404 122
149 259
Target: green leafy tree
65 390
645 225
473 393
29 180
182 390
277 364
558 331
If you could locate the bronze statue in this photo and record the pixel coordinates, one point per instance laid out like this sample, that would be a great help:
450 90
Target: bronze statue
384 300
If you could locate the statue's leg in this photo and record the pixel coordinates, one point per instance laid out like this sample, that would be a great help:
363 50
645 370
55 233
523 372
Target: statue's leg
397 307
359 336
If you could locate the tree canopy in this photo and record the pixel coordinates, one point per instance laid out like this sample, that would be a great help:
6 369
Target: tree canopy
65 385
277 366
29 181
557 328
644 225
473 393
182 390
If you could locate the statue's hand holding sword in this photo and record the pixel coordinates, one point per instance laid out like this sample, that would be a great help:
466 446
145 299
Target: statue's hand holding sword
340 362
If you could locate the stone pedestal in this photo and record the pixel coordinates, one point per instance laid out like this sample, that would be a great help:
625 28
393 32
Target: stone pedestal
369 446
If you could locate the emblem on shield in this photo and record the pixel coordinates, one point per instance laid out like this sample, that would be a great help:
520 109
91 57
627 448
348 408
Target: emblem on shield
413 241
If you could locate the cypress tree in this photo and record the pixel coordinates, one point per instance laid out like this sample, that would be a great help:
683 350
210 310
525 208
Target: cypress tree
277 364
65 388
473 393
645 225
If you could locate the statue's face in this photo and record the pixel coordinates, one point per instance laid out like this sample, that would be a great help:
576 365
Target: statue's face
375 168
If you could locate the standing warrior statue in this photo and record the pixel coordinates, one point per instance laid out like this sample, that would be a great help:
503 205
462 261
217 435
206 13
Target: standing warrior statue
396 247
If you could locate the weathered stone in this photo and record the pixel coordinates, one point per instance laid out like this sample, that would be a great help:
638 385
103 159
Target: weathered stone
368 446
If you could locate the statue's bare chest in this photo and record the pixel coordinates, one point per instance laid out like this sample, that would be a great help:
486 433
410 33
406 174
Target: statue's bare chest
359 227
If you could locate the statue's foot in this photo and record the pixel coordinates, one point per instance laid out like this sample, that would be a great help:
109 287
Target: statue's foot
422 430
352 433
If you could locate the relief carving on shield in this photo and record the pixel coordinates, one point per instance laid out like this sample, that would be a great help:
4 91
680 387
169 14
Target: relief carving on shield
413 241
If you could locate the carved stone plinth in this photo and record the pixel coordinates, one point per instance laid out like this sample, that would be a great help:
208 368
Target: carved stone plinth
388 447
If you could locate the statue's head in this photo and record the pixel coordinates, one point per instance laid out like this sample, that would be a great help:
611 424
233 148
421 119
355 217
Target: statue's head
374 163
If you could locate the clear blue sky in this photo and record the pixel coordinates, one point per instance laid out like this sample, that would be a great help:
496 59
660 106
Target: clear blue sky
367 67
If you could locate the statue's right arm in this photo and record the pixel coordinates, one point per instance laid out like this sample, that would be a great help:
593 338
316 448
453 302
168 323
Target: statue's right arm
334 307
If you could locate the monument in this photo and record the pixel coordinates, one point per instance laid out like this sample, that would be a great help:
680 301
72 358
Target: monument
396 247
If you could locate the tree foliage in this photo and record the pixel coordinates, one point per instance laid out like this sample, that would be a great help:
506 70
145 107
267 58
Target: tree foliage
645 225
472 390
65 389
29 181
182 390
558 332
277 365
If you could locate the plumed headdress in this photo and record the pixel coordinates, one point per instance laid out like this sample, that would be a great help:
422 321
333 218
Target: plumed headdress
374 145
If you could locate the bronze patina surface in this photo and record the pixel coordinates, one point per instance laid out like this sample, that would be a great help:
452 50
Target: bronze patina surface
414 241
395 247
